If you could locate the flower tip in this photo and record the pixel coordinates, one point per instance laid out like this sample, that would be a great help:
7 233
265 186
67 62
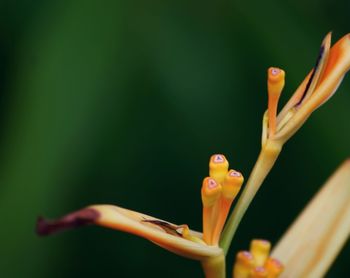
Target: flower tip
232 184
275 75
235 174
243 264
211 191
218 167
218 159
259 272
210 184
245 257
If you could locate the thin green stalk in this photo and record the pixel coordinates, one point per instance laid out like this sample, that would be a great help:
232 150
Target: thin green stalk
266 160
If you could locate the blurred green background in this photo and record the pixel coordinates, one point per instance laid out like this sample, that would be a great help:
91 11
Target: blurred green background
123 102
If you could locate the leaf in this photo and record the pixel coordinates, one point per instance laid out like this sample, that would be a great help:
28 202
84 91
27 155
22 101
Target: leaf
316 237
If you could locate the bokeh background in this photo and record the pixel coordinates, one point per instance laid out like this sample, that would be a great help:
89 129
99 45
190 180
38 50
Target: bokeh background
123 102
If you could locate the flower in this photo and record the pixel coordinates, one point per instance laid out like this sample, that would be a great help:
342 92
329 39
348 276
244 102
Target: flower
318 86
218 191
312 242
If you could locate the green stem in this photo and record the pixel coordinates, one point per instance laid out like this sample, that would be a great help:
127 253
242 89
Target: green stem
214 267
263 165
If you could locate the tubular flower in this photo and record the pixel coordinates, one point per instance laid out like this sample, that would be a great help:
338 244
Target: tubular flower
218 192
319 85
257 262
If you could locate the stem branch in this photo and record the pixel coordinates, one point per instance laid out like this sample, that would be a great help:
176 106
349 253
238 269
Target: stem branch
266 160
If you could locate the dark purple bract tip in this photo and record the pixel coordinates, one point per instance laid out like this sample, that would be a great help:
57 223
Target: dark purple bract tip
75 219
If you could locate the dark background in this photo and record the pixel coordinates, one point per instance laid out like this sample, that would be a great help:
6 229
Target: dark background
123 102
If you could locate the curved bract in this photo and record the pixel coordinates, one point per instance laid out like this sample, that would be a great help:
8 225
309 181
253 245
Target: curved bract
319 85
162 233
